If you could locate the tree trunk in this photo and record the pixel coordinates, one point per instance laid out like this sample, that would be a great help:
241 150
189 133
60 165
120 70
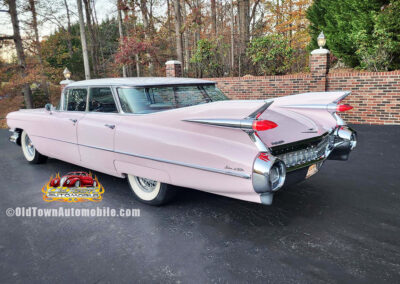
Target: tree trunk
92 39
12 8
69 42
121 32
147 24
213 18
243 11
83 41
185 41
99 47
197 33
232 38
38 48
178 34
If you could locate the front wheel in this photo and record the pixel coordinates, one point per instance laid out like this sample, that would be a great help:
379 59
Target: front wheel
150 191
29 151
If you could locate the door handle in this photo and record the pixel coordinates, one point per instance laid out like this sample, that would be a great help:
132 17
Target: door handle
111 126
73 120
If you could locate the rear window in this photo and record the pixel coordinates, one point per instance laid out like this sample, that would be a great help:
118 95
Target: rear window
153 99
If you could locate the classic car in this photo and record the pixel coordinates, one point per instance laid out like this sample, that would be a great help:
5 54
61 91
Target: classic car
164 132
74 179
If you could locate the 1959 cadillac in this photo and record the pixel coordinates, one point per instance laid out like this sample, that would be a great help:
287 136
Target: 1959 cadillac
159 132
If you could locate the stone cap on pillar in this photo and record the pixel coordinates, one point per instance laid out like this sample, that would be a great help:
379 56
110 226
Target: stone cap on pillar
173 62
320 51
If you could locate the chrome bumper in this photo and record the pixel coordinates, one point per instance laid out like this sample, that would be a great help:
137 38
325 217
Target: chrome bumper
15 137
297 157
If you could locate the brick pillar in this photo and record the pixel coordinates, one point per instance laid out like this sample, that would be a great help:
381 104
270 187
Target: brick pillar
173 68
319 65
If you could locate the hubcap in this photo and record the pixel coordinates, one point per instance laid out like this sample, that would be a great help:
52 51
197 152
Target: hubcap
29 146
147 185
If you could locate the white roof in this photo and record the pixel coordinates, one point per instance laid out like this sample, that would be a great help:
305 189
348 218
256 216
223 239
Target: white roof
139 81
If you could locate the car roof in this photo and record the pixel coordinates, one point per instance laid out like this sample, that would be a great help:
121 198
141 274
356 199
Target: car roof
140 82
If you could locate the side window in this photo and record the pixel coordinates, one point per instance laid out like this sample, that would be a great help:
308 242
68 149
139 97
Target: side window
75 100
133 100
101 100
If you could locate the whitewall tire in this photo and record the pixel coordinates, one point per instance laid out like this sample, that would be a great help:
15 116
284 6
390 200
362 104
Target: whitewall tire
150 191
28 149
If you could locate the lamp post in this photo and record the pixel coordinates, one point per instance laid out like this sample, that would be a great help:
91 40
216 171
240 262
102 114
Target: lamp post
67 75
321 40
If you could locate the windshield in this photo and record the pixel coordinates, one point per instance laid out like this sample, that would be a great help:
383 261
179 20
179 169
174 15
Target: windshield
152 99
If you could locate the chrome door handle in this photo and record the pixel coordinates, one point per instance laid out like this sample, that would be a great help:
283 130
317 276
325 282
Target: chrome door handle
73 120
111 126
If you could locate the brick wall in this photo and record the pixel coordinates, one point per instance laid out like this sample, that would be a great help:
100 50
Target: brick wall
375 95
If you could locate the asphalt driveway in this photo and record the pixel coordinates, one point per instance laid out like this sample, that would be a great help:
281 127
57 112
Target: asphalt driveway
340 226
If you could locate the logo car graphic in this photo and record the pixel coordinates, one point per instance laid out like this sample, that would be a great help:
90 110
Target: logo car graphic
74 179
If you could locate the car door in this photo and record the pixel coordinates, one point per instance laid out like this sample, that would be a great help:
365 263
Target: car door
61 126
97 129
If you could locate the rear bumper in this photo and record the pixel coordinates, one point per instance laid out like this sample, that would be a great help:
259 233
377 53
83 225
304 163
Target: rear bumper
297 159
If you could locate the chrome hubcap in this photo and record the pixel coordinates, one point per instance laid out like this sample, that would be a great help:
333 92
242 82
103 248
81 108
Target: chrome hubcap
147 185
29 146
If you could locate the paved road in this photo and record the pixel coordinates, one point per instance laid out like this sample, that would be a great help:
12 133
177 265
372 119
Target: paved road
341 226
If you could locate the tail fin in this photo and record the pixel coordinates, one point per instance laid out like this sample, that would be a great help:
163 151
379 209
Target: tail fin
329 101
311 100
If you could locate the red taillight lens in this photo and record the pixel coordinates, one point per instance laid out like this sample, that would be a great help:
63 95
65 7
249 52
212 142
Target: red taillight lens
264 157
341 108
261 125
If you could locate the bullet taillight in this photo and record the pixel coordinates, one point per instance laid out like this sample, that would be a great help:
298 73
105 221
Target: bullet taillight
261 125
342 108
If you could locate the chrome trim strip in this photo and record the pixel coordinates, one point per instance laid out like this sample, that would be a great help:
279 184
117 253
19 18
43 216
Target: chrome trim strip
232 123
307 106
225 172
342 97
254 114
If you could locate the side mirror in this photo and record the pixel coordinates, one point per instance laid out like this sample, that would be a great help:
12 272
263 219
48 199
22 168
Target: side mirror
48 107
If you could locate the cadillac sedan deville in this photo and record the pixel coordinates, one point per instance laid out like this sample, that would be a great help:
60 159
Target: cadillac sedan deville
164 132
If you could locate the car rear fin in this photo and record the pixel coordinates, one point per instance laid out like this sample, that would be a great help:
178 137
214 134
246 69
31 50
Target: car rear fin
260 110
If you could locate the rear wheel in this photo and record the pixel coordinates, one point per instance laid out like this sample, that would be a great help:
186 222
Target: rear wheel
29 151
150 191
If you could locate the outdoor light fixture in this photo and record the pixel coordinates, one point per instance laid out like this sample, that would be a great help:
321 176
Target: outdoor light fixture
321 40
67 73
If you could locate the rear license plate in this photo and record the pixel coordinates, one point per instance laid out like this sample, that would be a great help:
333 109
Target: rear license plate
312 170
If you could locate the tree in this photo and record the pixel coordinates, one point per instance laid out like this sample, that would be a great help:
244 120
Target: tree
32 8
121 31
271 53
342 22
56 54
178 32
12 8
380 51
244 32
83 40
208 55
93 45
213 18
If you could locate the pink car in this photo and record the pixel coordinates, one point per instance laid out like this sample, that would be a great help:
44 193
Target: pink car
158 132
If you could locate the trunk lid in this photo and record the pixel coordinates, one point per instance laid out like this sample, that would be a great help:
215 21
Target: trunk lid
292 126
